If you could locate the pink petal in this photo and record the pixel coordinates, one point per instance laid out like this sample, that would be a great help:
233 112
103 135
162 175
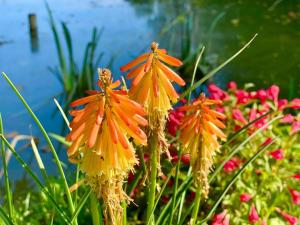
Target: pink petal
253 215
295 127
244 197
277 154
289 118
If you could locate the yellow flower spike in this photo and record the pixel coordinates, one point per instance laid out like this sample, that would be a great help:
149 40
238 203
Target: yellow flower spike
151 85
200 130
100 134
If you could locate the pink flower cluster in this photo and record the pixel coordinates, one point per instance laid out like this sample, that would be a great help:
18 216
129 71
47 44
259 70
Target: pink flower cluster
221 219
244 107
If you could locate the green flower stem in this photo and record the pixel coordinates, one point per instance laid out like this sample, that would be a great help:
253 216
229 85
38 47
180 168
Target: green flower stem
196 207
5 172
153 145
94 209
124 206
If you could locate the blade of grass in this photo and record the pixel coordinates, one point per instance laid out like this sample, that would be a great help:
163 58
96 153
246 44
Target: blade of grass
135 182
183 198
57 161
36 179
39 160
239 147
81 204
62 113
57 42
195 70
5 172
175 188
184 186
187 213
5 218
214 71
244 128
233 180
61 139
68 39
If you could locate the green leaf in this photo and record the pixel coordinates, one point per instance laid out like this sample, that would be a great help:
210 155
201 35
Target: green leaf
81 204
5 218
36 179
5 172
57 161
233 180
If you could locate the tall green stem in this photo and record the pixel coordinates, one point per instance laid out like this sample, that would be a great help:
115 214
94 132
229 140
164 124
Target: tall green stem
196 207
94 209
5 172
153 145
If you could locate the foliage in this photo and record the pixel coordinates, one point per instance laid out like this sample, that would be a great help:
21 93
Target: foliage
75 80
266 178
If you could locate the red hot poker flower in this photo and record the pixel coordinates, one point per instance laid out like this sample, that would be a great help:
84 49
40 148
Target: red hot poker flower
200 130
151 85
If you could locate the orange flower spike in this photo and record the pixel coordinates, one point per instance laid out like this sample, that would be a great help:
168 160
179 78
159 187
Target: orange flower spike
106 108
200 131
152 85
101 130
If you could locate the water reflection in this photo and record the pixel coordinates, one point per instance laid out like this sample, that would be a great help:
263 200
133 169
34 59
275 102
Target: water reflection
224 27
34 38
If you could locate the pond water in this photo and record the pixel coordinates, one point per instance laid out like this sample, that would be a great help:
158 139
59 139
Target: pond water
128 28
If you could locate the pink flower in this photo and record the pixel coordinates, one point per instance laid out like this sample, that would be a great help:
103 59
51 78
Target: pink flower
232 85
252 114
242 96
217 93
295 196
290 219
253 215
295 103
185 159
295 127
238 115
165 199
244 197
297 176
277 154
273 93
264 222
174 121
267 141
174 158
226 220
261 122
252 94
282 103
221 219
289 118
232 164
262 95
